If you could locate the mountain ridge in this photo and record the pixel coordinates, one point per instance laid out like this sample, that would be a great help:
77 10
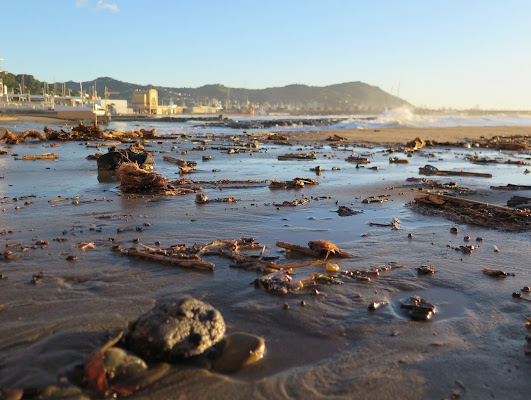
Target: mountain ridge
342 96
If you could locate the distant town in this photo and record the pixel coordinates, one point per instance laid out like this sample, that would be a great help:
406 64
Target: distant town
108 97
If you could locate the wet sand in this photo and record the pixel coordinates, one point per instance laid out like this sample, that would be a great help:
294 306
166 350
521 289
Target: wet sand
332 347
391 136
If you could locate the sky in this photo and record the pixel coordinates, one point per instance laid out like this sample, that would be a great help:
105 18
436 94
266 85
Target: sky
432 53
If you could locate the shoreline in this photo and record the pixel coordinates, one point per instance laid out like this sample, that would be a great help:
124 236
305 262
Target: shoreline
381 136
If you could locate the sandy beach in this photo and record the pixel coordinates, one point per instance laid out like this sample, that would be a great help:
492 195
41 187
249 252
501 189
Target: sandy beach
383 136
65 292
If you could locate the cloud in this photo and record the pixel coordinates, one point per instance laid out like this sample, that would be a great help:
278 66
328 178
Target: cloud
81 3
106 6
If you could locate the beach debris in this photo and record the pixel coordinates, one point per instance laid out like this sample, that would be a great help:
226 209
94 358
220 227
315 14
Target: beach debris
10 138
476 159
45 156
324 246
85 245
395 224
511 186
453 186
519 202
510 145
377 304
136 180
186 170
336 138
415 144
232 249
474 212
112 370
296 183
180 255
468 249
277 137
282 282
236 351
316 248
431 170
116 157
293 203
395 160
358 160
175 329
318 170
372 199
419 309
426 270
518 295
298 156
179 162
344 211
496 273
36 278
202 198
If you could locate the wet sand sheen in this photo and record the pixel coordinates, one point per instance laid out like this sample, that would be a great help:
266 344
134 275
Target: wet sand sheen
332 347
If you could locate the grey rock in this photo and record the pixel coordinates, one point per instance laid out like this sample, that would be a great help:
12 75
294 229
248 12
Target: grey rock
174 329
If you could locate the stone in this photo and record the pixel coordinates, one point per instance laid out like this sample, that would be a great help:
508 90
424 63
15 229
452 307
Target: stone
237 351
175 329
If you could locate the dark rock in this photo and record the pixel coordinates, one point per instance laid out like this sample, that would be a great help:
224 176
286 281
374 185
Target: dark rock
419 309
174 329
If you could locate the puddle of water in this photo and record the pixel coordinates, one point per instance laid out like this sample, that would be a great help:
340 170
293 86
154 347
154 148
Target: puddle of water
449 303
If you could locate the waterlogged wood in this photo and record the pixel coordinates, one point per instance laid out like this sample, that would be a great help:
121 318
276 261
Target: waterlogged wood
185 263
297 248
433 171
179 162
45 156
476 212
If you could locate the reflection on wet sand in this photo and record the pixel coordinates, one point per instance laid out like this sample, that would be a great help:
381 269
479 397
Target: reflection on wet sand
321 340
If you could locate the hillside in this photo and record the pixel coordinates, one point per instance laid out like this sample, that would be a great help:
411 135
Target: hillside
344 97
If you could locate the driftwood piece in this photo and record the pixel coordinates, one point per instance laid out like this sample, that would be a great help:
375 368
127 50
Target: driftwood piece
297 248
476 212
395 224
316 248
298 156
429 170
294 203
293 184
179 162
510 186
45 156
358 160
496 273
180 262
395 160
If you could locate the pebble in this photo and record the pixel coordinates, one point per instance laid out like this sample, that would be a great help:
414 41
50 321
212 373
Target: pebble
237 351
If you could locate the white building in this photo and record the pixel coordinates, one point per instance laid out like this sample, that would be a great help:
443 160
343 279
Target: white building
119 106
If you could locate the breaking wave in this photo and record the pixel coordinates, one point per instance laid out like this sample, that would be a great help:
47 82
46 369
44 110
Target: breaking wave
405 118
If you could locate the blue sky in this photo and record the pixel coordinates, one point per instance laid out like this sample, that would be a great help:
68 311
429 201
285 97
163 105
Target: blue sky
449 53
